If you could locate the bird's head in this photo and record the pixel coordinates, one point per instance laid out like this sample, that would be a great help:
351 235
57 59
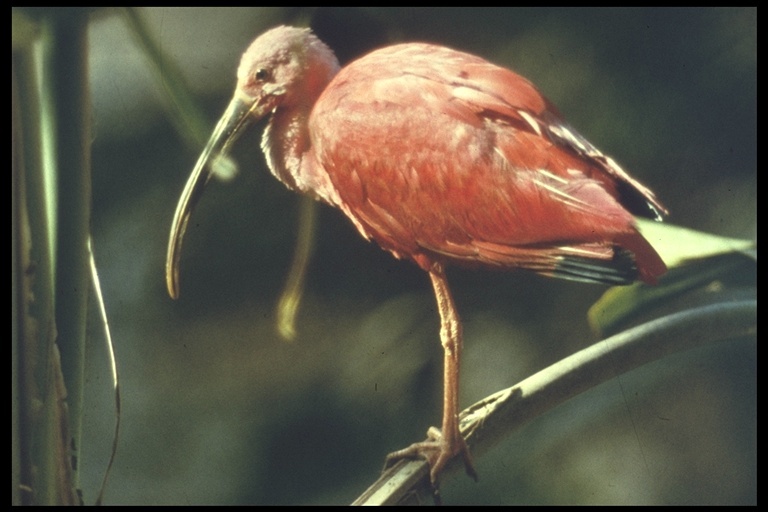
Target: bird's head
286 67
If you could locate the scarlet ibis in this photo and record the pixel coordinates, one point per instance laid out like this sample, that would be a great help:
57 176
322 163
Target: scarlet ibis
442 158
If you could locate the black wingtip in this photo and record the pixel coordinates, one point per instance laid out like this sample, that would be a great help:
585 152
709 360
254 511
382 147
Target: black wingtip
638 203
619 270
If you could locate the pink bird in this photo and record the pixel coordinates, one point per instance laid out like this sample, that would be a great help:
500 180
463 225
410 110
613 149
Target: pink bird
442 158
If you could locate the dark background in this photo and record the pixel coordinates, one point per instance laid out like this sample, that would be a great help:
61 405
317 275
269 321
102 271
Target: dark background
217 409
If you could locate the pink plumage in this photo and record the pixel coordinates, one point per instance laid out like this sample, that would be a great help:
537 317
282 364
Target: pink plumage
442 158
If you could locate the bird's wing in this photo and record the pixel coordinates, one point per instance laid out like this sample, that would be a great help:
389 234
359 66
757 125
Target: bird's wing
437 153
470 89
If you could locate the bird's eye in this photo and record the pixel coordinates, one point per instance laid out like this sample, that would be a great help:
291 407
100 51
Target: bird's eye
261 74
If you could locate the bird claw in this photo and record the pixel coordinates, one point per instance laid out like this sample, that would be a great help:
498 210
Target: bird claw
437 451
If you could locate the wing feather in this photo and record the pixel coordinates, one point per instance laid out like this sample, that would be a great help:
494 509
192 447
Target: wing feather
457 159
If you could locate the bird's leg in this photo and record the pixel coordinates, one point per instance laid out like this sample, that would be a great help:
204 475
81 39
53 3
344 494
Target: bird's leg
443 445
451 443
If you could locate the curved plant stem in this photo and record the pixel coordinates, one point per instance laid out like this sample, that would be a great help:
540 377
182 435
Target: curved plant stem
290 299
487 422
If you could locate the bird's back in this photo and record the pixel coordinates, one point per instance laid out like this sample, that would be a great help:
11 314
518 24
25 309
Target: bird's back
441 156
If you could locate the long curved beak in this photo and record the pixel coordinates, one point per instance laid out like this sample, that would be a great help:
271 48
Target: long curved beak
235 119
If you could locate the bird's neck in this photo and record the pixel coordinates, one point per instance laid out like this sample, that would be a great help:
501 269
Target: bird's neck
287 147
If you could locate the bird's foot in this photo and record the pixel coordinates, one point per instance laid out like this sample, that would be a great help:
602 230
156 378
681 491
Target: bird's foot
437 450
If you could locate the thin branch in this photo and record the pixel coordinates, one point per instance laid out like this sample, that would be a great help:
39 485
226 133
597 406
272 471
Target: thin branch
99 297
487 422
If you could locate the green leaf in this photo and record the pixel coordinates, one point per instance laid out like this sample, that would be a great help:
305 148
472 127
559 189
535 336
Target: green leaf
676 244
694 259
